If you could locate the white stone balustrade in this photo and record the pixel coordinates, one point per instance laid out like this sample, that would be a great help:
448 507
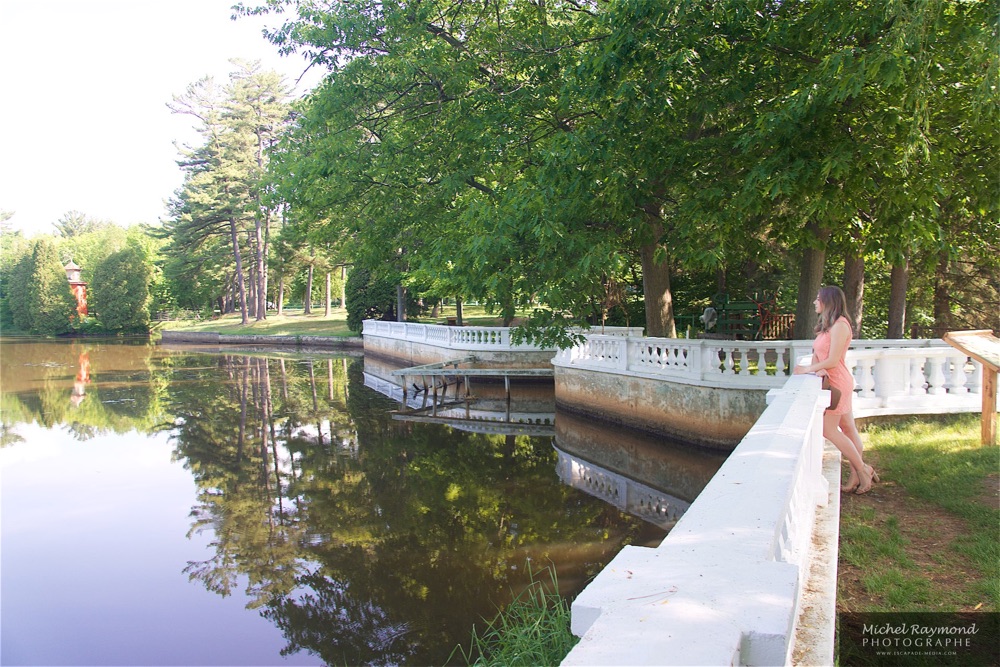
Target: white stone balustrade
915 380
466 338
715 363
726 584
892 377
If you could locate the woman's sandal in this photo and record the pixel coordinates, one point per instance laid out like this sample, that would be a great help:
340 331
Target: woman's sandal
872 478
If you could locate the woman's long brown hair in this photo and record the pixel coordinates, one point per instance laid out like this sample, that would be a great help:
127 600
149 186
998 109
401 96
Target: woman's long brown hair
834 307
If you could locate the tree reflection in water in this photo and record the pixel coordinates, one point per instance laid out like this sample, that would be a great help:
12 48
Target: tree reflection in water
367 540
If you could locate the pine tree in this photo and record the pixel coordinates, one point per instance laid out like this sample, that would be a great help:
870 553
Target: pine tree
52 306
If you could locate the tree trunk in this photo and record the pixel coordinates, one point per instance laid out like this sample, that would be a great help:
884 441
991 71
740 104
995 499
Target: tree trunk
261 283
309 286
458 311
811 264
400 303
239 271
343 286
854 290
252 292
656 286
327 296
900 277
720 281
942 297
281 295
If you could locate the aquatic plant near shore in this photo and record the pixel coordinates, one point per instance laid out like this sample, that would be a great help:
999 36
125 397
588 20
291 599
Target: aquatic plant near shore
534 629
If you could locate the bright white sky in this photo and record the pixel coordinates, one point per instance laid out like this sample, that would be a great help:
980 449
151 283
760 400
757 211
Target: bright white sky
85 85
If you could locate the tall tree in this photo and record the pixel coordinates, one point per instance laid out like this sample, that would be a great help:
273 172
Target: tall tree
75 223
120 291
50 301
223 192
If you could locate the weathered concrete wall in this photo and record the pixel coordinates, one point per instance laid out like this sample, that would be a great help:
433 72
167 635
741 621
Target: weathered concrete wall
714 417
413 353
210 338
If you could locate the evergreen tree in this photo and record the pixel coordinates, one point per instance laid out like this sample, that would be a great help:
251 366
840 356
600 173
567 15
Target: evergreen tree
51 304
15 293
120 291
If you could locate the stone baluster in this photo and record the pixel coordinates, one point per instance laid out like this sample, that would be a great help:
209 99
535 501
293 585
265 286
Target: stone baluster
956 383
761 361
655 360
711 365
975 379
935 376
728 364
866 377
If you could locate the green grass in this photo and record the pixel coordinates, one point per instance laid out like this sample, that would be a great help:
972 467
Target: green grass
940 464
534 629
290 323
294 323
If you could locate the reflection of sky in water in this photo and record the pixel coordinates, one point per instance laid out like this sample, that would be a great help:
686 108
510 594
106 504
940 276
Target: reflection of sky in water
84 521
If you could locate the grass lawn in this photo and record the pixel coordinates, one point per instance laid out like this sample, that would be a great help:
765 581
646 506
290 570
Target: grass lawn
927 538
294 323
291 323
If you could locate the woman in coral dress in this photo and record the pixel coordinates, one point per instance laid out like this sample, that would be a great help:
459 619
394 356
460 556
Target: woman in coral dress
833 337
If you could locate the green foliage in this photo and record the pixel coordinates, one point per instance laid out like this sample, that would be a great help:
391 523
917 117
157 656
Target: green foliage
370 296
120 291
14 280
220 218
523 156
48 306
534 629
92 244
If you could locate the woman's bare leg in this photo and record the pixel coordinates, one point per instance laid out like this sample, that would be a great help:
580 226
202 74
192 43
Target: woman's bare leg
832 432
850 429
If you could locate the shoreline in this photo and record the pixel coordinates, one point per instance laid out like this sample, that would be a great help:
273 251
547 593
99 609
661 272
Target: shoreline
212 338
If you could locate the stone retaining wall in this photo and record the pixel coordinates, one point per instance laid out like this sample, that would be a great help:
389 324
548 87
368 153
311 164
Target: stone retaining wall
713 417
415 353
210 338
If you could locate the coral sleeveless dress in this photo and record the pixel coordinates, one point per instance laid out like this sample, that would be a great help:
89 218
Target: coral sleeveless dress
840 376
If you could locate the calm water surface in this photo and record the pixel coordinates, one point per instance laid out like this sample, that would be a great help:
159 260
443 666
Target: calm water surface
191 507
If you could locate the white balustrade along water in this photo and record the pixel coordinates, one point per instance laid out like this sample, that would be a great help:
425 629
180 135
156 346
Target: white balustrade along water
715 363
892 377
465 338
726 584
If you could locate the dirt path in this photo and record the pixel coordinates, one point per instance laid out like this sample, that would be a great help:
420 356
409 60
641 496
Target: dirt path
928 534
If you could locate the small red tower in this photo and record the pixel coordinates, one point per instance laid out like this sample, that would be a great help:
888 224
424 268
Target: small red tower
78 286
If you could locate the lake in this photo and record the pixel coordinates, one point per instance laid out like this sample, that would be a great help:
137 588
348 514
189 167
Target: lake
218 507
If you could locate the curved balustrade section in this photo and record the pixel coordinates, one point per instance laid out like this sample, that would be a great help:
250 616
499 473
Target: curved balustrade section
715 363
467 338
